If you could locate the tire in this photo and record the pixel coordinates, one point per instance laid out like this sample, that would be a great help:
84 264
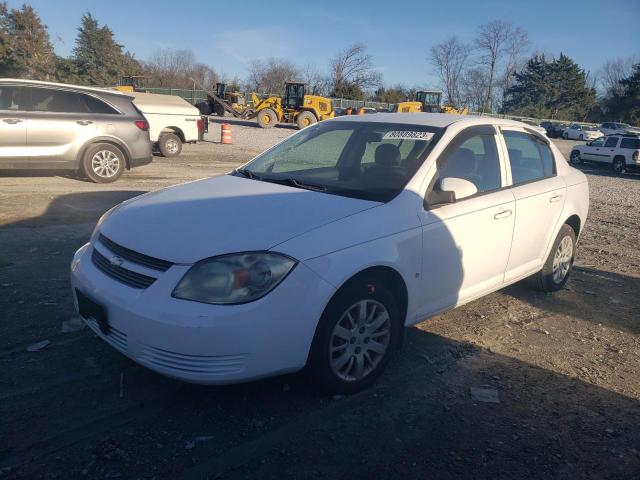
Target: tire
575 158
219 110
581 137
170 145
267 118
354 345
305 119
553 276
619 165
204 108
103 163
565 135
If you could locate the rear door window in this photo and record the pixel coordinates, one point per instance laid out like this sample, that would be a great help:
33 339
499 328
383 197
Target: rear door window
611 142
14 98
61 101
530 159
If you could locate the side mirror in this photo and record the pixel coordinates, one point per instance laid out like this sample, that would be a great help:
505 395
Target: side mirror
458 187
589 143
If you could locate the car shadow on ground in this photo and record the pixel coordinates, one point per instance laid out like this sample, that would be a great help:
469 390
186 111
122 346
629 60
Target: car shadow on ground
604 170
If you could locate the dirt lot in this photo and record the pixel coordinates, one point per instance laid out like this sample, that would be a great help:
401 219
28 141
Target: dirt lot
565 366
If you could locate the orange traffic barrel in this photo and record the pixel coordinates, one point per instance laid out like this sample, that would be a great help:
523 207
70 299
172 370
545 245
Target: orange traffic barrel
361 111
225 133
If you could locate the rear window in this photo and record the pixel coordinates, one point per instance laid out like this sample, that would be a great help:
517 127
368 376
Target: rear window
632 143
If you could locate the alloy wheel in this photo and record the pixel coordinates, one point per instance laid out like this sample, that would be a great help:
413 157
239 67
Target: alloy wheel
562 259
105 163
359 340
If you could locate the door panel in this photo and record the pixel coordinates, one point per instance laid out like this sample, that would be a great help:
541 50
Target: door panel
466 248
538 208
56 137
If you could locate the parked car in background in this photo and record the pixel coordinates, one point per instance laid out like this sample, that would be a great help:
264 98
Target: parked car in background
554 129
612 128
54 126
580 131
327 245
172 121
621 151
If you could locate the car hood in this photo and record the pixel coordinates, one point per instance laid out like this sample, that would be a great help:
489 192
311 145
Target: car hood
226 214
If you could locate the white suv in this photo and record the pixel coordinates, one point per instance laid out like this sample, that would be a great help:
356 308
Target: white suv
622 152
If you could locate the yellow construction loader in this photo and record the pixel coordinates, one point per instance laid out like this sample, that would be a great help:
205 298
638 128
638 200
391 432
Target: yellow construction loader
428 101
131 83
295 107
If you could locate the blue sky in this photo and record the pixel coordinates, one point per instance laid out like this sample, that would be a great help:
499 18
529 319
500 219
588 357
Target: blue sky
399 34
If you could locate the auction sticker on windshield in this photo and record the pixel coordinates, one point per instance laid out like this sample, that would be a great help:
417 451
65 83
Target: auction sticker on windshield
407 135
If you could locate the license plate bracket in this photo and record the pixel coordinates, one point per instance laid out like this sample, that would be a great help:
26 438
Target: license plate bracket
88 308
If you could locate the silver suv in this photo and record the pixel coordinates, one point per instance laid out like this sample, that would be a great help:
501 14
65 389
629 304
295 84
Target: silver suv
55 126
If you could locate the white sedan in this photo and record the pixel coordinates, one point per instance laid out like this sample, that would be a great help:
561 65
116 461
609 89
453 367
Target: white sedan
577 131
319 251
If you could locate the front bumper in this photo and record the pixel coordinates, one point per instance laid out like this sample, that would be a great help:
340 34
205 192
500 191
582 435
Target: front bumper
201 343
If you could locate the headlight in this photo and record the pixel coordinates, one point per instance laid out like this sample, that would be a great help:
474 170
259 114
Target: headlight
235 278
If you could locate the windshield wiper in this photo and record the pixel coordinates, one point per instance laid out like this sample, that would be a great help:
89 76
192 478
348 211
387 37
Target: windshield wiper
247 173
307 186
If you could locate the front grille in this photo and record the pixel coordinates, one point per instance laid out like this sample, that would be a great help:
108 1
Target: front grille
128 277
135 257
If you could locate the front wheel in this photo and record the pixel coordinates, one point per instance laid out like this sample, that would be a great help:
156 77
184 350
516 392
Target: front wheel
565 135
557 267
356 337
581 137
267 118
103 163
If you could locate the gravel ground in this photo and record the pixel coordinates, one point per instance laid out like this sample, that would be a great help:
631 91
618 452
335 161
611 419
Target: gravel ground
560 371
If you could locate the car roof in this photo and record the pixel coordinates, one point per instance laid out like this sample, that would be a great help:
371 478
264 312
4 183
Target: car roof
63 85
438 120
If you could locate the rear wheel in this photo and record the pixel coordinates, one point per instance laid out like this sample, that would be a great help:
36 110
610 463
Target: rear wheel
557 267
565 135
575 158
356 337
619 165
581 137
170 145
103 163
267 118
306 118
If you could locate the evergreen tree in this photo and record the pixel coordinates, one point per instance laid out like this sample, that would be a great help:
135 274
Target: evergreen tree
624 105
550 89
98 58
25 48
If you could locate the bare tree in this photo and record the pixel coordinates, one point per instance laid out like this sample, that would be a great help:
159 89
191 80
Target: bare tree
490 42
450 57
615 70
353 67
271 76
316 83
516 45
176 69
474 88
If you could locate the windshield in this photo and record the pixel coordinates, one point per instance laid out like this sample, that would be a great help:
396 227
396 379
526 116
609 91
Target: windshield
368 160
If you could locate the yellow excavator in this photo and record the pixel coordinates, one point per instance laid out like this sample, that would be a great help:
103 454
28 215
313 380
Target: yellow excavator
294 107
428 101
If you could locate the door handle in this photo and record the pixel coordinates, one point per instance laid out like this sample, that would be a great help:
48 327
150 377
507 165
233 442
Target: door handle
84 122
12 121
555 198
503 214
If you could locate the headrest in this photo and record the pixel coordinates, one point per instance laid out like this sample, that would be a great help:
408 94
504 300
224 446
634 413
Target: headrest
387 155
